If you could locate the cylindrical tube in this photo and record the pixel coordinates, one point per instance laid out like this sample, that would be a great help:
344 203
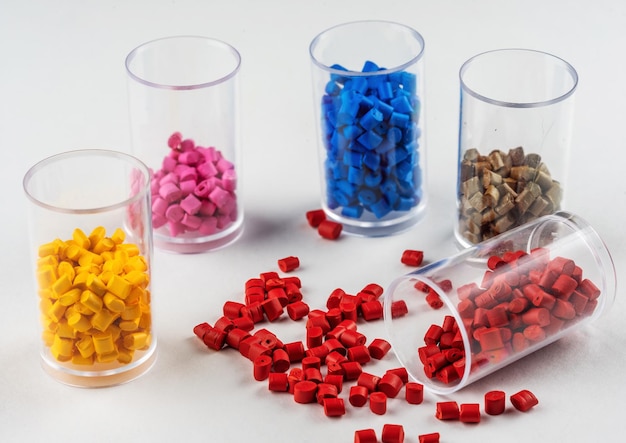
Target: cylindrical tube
516 116
91 238
557 265
184 111
368 93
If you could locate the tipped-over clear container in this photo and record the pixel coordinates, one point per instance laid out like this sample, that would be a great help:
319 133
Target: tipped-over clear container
459 319
91 244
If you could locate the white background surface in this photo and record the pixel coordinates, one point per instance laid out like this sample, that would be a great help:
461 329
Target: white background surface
63 86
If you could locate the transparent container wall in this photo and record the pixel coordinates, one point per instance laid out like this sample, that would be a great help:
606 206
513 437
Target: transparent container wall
516 117
91 242
368 94
184 111
457 320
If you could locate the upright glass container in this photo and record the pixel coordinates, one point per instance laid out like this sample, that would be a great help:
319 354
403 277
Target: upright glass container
460 319
516 118
368 87
91 242
184 111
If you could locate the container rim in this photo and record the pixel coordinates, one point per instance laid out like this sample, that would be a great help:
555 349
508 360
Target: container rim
533 104
316 40
218 43
39 166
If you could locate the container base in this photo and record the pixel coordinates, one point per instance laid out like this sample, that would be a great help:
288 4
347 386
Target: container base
82 379
188 246
377 228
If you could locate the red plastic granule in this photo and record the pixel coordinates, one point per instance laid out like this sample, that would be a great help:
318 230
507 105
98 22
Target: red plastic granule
469 413
365 436
232 309
280 360
278 382
399 308
336 380
414 393
352 338
368 381
262 367
304 392
201 329
329 229
294 376
358 395
433 437
400 372
324 391
297 310
272 308
433 300
390 384
378 403
379 348
214 338
495 402
392 434
524 400
314 336
411 257
372 310
351 369
359 354
447 410
334 407
235 337
245 323
288 264
315 217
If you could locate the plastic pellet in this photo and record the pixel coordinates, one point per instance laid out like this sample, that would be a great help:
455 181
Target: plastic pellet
326 390
365 436
334 407
524 400
447 410
278 382
297 310
329 229
358 395
304 392
433 437
399 308
379 348
378 403
262 367
288 264
315 217
495 402
414 393
469 412
390 384
411 257
392 433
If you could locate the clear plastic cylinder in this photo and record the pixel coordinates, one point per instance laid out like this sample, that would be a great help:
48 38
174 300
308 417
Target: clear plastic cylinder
516 116
183 96
457 320
91 243
368 87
